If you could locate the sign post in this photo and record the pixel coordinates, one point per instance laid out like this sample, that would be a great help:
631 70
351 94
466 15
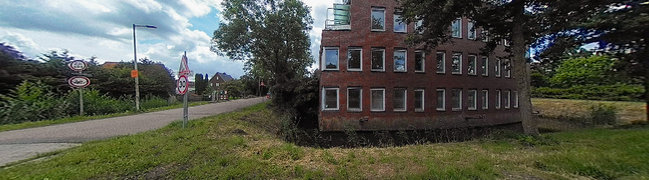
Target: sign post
183 86
79 82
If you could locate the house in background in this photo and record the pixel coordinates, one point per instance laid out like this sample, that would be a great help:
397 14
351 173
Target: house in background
216 81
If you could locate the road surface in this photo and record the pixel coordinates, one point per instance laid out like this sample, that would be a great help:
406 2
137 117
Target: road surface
26 143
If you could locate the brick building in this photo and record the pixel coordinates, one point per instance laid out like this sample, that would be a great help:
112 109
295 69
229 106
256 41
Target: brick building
371 80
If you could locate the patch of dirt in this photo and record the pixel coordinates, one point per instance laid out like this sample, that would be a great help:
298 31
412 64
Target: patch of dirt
239 132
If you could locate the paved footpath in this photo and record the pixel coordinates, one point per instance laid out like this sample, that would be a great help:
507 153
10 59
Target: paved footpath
25 143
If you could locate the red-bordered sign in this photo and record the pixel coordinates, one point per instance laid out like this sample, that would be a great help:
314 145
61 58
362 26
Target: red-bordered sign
182 84
79 81
78 65
184 68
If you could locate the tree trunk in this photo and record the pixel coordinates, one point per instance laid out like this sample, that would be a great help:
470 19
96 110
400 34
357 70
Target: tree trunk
646 88
521 69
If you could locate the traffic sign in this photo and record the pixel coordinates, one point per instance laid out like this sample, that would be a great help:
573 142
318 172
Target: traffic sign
79 81
78 65
182 84
134 73
184 69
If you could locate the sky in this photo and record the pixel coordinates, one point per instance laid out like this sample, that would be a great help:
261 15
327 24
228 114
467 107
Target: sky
103 29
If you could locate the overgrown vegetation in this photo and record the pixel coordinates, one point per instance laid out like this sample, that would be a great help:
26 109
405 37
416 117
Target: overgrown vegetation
239 145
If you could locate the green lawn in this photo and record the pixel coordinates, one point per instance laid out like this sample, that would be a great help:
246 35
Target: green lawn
236 145
31 124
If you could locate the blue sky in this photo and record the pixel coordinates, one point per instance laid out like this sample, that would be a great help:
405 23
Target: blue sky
103 29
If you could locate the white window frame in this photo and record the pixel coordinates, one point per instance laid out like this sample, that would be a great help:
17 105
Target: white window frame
443 70
508 98
423 100
349 56
324 97
506 42
460 63
405 100
371 12
372 99
508 68
459 102
394 19
471 24
485 103
324 58
485 71
360 109
418 24
475 65
498 68
515 99
371 56
498 99
459 29
443 99
423 61
405 60
474 106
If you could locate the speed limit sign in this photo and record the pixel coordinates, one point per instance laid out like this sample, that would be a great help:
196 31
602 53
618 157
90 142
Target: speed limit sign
182 84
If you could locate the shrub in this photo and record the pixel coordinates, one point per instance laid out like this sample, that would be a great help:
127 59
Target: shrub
616 92
602 114
31 102
96 103
150 102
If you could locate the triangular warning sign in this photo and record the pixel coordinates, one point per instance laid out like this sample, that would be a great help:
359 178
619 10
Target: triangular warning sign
184 69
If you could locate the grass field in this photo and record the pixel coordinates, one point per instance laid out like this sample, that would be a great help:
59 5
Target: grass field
31 124
237 145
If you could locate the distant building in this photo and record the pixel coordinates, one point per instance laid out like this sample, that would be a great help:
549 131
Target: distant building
372 80
220 78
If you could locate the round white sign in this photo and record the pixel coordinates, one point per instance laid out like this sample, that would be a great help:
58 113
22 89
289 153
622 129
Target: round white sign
78 65
183 84
79 81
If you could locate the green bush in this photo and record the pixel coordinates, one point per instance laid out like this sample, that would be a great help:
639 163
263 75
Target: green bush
602 114
96 103
150 102
616 92
31 102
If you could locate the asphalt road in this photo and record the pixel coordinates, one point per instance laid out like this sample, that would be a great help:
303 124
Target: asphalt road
25 143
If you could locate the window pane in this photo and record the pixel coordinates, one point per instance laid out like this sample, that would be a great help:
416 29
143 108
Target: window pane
455 26
440 62
377 59
456 98
497 68
399 26
456 63
441 96
483 66
331 101
471 101
485 99
399 99
498 99
378 19
418 26
419 100
400 60
419 61
472 65
354 59
377 100
507 99
515 99
507 66
331 61
354 101
471 30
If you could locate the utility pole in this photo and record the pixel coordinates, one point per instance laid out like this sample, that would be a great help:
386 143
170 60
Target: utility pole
136 73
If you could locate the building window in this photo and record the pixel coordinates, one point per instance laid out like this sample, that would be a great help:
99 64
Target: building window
399 99
354 99
472 65
400 61
484 66
497 68
419 100
354 59
515 99
378 99
456 28
378 19
378 59
506 42
485 99
441 99
418 26
485 36
456 63
456 99
330 98
399 25
420 60
470 26
507 67
330 58
498 99
472 99
508 99
441 62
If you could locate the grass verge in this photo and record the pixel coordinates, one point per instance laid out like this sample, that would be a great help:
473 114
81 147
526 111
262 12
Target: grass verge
237 145
32 124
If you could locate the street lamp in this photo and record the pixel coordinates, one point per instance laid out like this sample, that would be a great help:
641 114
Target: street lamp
137 77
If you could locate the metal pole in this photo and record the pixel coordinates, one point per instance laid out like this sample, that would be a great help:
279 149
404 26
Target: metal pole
185 110
81 101
259 87
137 78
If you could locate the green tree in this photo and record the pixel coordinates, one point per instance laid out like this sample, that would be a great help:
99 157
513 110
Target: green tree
522 22
198 83
593 70
270 36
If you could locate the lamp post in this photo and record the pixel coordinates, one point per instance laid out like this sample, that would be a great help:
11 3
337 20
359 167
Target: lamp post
137 76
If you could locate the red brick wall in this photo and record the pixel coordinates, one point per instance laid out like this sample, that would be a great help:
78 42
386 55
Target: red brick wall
361 35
